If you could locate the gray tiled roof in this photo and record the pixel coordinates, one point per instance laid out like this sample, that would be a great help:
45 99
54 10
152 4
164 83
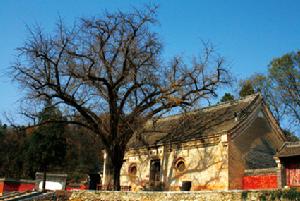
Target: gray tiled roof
289 149
200 124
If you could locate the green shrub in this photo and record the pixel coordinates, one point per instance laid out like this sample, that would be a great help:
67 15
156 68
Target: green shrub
291 194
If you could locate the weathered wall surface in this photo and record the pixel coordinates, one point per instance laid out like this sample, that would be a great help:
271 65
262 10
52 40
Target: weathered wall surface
205 166
166 196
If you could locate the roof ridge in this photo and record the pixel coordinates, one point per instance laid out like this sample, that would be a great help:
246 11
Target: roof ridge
280 148
232 101
209 108
291 144
220 113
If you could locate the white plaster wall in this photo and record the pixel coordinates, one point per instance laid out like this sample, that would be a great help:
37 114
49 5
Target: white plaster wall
206 167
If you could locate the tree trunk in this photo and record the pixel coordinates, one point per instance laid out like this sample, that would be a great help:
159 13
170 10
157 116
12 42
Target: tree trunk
117 185
116 161
108 177
44 180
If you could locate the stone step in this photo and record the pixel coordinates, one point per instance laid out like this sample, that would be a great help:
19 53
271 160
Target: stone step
23 196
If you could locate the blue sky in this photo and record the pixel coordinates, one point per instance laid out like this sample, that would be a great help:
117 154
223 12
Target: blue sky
248 33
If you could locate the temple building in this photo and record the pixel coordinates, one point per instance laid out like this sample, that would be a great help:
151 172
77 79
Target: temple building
227 146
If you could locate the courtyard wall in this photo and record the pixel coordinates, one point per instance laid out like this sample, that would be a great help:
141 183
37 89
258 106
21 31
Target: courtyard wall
284 195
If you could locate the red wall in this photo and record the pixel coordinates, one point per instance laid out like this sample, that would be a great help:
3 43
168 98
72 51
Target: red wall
1 187
18 186
268 181
81 187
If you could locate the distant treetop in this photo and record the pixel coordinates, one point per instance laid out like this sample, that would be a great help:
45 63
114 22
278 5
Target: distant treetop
227 97
246 88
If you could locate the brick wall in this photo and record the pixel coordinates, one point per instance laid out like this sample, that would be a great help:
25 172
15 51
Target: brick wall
254 148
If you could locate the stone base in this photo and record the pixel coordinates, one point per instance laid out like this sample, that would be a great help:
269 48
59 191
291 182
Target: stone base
166 196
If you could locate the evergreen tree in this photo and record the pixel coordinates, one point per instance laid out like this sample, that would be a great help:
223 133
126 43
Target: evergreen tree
227 97
47 144
246 88
291 137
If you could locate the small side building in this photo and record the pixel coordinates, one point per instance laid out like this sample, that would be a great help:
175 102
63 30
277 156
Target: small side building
214 148
288 162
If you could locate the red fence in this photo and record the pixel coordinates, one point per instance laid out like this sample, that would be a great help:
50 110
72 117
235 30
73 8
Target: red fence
268 181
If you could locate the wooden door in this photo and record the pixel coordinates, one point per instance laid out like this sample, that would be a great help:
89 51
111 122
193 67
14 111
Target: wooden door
293 174
154 173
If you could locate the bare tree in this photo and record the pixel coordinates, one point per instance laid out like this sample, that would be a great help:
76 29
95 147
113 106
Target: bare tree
281 89
284 74
264 85
108 73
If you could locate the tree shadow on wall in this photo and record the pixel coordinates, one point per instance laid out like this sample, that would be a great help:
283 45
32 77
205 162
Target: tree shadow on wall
203 169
